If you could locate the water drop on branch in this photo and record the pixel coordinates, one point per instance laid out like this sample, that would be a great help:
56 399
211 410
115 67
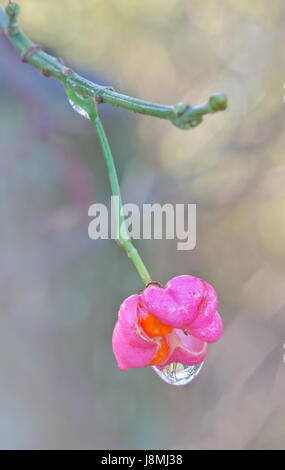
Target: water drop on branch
78 109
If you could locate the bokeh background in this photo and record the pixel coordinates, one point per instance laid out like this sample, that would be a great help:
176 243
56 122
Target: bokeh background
60 291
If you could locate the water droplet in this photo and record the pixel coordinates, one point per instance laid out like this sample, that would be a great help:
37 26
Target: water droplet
78 109
178 374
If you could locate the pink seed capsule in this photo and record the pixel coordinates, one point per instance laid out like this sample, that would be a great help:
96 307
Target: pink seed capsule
165 325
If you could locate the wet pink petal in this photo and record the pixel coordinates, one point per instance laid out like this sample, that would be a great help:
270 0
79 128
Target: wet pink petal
129 355
185 349
207 308
210 333
131 347
177 304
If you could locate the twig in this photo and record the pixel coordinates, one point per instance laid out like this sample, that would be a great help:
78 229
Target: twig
181 115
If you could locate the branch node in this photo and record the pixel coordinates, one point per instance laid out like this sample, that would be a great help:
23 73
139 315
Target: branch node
66 71
218 102
29 52
97 99
45 73
184 116
12 11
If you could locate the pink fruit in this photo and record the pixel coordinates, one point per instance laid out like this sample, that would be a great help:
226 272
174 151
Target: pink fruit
167 324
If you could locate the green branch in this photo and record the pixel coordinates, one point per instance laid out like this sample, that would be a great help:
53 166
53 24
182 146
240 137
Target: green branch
181 115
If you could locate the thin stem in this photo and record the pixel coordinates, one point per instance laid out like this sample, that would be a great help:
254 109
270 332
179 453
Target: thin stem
134 255
132 252
181 115
122 237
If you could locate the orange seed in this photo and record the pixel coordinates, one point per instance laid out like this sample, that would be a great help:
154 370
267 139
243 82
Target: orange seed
153 327
161 353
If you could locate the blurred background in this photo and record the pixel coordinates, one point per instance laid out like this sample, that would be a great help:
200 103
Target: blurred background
60 291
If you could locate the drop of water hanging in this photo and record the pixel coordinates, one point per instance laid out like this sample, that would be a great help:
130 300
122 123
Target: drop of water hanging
178 374
78 109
